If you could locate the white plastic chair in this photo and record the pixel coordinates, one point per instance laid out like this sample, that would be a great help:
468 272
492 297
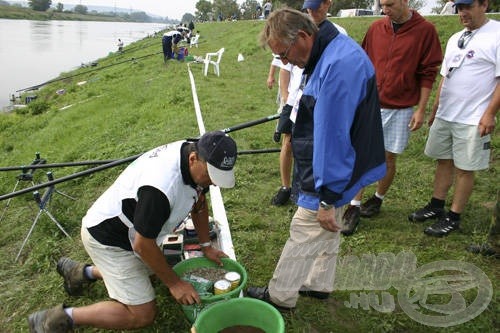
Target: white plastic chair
194 40
209 61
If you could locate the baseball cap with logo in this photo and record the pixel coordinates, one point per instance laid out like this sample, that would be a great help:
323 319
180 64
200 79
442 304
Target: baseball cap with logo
312 4
219 150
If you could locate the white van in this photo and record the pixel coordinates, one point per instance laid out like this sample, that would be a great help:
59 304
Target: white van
354 12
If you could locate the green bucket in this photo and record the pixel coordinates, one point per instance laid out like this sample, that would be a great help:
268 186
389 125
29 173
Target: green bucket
192 311
239 312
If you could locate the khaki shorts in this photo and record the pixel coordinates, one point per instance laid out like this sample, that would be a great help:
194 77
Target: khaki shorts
126 277
460 143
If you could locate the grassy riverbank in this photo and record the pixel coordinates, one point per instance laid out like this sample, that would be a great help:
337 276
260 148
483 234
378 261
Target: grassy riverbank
132 102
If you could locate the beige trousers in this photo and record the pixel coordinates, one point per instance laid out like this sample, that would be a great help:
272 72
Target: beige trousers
308 259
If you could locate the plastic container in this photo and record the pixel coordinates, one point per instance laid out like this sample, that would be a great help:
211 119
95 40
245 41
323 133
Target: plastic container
181 54
192 311
239 311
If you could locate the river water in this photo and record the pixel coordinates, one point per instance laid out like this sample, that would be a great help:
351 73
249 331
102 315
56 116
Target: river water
33 52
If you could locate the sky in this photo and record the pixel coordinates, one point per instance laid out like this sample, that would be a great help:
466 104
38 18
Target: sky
173 9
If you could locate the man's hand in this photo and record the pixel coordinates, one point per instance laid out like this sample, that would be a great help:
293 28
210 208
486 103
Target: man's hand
214 254
417 120
486 124
184 293
270 82
326 219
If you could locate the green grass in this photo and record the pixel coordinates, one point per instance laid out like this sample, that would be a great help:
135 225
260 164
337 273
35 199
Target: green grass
129 108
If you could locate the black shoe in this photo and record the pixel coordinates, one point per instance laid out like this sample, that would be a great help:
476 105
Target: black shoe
484 249
262 294
371 207
442 227
314 294
428 212
350 220
282 197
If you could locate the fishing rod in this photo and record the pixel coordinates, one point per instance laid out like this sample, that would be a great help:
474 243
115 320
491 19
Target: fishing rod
35 87
81 163
84 163
119 162
69 177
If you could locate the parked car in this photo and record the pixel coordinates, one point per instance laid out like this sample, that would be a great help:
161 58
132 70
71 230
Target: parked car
354 12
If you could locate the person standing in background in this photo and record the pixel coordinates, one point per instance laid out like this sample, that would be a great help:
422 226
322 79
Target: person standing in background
448 8
406 53
268 6
463 115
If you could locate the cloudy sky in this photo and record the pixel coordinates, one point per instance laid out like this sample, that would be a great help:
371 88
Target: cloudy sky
174 9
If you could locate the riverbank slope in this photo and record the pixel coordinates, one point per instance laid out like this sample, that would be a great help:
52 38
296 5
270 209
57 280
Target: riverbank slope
132 102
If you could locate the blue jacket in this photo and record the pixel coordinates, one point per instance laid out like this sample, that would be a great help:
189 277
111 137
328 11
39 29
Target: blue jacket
339 112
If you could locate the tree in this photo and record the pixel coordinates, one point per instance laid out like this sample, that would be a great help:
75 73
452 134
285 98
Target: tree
59 7
225 8
494 6
40 5
80 9
247 9
417 4
203 10
187 17
140 17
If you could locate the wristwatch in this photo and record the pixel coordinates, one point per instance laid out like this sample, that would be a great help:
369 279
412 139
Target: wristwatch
325 206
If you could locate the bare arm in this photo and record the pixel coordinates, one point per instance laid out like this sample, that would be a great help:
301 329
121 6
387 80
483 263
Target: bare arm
417 118
487 121
151 254
199 215
270 77
436 102
284 82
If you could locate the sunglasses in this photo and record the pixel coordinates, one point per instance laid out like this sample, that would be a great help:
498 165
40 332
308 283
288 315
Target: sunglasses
464 39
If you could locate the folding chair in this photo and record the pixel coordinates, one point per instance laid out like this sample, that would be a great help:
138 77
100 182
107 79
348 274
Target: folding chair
194 40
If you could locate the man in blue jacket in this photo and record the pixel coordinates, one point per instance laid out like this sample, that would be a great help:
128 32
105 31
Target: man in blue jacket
337 144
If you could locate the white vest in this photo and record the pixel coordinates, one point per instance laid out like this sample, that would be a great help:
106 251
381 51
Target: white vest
159 168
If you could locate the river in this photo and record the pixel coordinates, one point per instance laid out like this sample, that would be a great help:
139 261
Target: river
33 52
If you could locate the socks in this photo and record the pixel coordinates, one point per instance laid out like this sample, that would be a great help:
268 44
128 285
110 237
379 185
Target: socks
69 312
356 203
453 216
437 203
380 196
87 272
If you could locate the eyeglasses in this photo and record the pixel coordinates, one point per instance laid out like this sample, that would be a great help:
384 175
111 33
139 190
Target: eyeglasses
284 55
464 39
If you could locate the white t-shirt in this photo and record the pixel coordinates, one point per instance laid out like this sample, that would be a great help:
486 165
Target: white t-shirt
448 8
475 71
